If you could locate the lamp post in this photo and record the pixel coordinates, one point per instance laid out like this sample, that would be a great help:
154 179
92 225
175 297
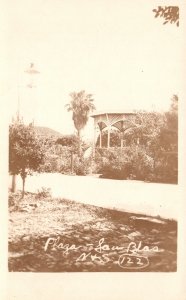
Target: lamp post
32 72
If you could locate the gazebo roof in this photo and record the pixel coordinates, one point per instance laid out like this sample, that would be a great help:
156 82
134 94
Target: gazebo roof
114 118
112 112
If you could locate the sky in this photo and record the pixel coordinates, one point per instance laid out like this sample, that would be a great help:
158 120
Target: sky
115 50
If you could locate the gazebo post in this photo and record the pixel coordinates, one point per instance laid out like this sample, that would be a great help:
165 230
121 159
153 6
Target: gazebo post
108 130
94 140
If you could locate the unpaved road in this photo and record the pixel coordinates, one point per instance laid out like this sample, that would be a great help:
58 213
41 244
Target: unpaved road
133 196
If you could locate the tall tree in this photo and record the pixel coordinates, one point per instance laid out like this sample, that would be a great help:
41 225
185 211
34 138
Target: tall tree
170 14
81 105
26 150
158 138
169 133
168 141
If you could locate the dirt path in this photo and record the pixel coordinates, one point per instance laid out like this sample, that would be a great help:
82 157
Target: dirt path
133 196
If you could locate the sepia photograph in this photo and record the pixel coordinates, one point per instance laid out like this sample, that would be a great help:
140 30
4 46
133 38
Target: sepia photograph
93 97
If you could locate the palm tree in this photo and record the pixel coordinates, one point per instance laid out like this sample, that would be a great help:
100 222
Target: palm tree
81 105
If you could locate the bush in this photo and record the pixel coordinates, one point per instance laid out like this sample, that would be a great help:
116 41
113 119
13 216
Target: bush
68 141
58 160
43 193
134 162
126 163
62 159
166 168
82 166
116 171
14 199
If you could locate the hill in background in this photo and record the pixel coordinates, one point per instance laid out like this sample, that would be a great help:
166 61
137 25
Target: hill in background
47 132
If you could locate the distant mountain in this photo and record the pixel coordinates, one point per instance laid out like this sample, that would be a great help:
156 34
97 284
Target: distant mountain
48 132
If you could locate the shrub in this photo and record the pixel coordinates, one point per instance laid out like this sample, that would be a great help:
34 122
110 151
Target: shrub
82 166
61 159
58 160
166 168
68 141
136 162
126 163
14 199
43 193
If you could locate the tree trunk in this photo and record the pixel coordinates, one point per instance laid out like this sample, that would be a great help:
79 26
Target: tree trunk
79 143
13 183
23 190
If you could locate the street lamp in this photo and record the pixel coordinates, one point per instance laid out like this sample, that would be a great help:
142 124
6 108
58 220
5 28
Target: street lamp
31 71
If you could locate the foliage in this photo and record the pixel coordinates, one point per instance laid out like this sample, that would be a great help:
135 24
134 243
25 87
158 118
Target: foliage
127 163
68 140
26 150
62 159
13 199
150 151
143 128
57 159
169 13
81 105
43 193
166 168
72 143
169 133
167 164
82 166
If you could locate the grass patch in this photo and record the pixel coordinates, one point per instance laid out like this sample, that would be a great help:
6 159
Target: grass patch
60 235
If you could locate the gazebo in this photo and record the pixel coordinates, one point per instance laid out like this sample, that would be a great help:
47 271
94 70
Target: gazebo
107 120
